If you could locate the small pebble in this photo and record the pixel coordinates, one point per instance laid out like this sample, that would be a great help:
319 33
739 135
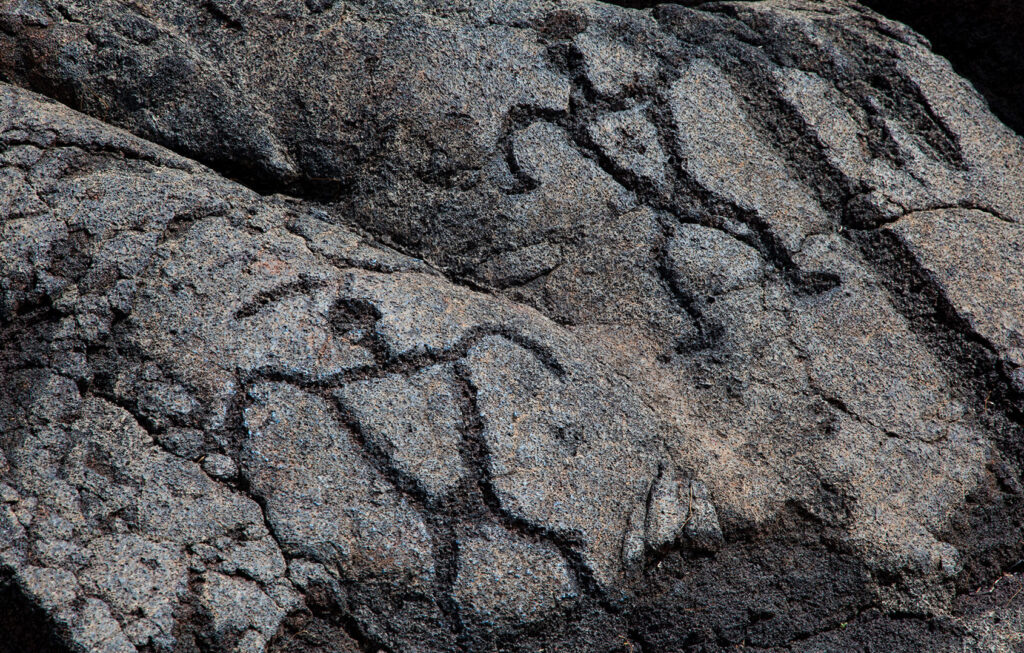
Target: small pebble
220 466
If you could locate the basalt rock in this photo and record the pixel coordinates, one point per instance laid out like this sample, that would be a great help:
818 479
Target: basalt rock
981 38
525 325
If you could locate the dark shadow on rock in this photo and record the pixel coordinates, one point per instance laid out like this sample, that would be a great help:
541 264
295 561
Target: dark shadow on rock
983 39
24 626
635 4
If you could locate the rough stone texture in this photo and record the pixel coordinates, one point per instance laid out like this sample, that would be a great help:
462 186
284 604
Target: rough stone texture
980 38
363 326
502 581
417 421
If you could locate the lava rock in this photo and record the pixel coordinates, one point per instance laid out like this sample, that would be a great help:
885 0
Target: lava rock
504 326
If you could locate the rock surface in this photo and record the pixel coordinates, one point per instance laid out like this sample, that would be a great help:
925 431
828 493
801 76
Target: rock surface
523 325
981 38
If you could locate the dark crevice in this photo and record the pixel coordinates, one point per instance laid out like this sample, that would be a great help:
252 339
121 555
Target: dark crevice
215 10
476 455
411 362
370 265
123 153
327 190
976 372
303 286
854 220
245 487
931 315
384 242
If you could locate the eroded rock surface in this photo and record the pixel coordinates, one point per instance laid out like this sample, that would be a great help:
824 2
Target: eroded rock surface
527 325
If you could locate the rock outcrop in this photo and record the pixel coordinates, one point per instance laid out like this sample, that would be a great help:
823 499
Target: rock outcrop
981 38
522 325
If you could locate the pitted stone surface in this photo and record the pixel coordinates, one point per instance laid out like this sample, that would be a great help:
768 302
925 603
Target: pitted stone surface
503 326
727 156
323 500
630 140
944 241
536 422
503 580
416 420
